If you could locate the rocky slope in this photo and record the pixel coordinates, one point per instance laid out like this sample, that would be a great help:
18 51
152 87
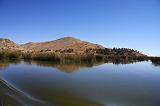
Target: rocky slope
6 44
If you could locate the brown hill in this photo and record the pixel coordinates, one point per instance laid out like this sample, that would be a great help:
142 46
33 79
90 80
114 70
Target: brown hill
68 45
61 44
6 44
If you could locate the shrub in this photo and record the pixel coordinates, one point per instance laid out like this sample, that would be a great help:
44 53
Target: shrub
46 56
10 54
27 56
14 55
2 55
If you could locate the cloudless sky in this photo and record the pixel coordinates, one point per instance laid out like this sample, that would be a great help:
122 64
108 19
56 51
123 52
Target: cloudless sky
111 23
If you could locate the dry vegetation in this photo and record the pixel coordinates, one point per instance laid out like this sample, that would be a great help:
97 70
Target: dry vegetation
6 54
67 49
64 49
63 57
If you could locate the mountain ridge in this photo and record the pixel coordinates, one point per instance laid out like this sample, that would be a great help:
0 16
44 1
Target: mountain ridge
61 44
68 45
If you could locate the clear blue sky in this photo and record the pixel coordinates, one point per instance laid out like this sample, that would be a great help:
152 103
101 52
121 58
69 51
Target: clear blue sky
112 23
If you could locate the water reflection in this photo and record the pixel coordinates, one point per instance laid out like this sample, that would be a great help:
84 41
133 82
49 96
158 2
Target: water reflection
39 83
156 62
123 61
7 101
5 63
69 67
33 94
10 95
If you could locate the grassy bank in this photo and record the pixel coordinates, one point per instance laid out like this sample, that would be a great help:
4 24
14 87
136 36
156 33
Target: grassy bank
48 56
65 57
62 57
10 54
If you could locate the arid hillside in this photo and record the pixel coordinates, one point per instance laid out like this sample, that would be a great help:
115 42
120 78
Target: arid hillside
66 43
6 44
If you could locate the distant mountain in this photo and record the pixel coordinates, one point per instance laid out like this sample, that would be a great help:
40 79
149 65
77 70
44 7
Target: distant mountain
69 45
6 44
61 44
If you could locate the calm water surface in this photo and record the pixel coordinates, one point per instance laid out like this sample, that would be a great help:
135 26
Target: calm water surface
100 84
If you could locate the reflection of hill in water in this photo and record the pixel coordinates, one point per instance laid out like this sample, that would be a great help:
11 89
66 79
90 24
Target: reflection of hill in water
156 62
123 61
67 67
5 63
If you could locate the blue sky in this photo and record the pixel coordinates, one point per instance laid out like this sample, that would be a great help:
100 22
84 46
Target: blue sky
112 23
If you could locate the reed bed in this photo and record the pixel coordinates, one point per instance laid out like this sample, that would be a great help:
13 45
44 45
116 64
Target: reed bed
10 54
76 58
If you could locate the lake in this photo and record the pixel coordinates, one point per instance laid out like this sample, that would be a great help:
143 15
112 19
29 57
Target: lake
36 83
